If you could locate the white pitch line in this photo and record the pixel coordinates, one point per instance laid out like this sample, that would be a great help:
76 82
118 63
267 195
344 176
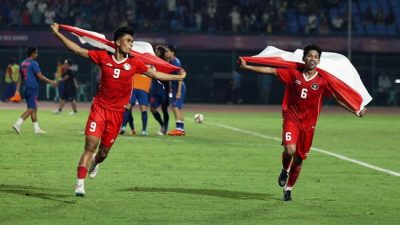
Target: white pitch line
342 157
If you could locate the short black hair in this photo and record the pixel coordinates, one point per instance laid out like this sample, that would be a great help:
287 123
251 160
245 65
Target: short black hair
30 50
161 51
69 61
171 48
310 47
122 31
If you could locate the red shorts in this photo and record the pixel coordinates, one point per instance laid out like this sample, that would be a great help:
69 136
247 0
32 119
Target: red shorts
293 134
104 123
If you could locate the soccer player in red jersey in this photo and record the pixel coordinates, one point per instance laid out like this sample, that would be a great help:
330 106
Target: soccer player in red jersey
302 102
106 113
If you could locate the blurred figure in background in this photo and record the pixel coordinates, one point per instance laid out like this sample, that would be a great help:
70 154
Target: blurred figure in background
384 88
11 78
70 84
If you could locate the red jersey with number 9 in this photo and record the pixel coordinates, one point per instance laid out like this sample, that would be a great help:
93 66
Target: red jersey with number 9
302 101
116 79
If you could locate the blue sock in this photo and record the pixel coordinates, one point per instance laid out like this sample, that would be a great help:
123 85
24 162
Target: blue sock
126 118
130 121
144 120
180 126
157 116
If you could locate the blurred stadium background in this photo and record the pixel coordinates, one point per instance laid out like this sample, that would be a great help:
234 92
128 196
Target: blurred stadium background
209 36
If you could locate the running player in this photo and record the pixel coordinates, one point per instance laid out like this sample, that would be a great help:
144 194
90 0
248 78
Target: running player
177 94
31 72
106 114
304 90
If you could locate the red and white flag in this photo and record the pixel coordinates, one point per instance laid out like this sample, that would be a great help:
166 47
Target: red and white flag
335 68
142 50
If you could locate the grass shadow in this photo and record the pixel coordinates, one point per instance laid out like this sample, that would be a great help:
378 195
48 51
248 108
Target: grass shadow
35 192
207 192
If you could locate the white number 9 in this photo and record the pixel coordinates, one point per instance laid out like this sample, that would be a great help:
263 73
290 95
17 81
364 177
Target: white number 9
116 73
92 126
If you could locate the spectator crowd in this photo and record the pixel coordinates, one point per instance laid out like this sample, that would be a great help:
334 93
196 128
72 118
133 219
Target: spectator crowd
247 16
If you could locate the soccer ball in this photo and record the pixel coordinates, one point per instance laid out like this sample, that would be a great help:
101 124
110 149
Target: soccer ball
198 118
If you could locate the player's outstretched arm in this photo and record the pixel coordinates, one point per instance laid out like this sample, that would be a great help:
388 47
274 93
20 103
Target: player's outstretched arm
68 43
165 76
359 113
258 69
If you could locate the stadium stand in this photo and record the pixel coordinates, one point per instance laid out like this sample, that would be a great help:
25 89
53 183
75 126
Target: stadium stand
369 17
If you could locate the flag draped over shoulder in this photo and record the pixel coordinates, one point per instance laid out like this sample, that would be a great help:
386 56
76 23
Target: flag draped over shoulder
142 50
341 75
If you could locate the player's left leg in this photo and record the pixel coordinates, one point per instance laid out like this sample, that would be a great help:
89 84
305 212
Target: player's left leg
91 143
127 118
98 158
164 109
72 99
143 109
295 169
287 156
177 106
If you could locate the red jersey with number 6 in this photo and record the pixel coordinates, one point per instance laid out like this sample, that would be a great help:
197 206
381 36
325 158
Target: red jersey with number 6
302 101
116 79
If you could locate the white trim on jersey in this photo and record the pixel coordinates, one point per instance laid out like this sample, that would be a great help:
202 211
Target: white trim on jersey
306 79
115 60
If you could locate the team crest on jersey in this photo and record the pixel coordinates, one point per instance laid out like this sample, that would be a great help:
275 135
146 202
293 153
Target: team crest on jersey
127 66
314 86
297 82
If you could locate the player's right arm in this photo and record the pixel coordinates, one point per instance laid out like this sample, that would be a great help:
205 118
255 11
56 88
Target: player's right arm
45 79
258 69
68 43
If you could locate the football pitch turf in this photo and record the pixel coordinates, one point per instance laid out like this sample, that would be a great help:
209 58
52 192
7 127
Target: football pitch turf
223 171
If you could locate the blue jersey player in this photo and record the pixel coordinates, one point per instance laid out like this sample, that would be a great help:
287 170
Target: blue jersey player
177 94
31 74
159 97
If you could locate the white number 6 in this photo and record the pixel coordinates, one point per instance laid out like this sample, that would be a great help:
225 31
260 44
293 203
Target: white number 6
92 126
303 93
116 73
288 136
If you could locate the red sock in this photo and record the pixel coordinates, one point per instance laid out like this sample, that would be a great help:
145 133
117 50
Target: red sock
82 171
294 173
286 159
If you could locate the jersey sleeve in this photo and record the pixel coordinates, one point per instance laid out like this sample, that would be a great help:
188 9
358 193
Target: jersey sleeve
35 68
95 56
140 67
285 75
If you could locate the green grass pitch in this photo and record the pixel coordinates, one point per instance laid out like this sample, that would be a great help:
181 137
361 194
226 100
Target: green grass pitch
214 175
